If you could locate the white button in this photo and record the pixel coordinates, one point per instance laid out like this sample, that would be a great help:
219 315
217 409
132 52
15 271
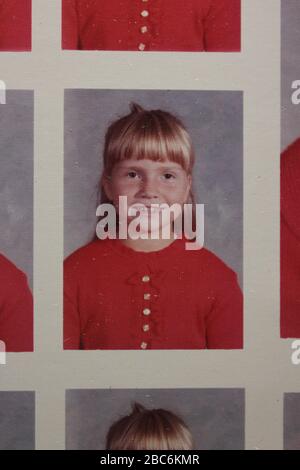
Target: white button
142 46
146 278
144 13
146 311
145 1
144 29
144 345
146 327
147 296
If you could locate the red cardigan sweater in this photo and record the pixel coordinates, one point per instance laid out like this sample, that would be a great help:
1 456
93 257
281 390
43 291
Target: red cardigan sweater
152 25
16 308
118 298
290 242
15 25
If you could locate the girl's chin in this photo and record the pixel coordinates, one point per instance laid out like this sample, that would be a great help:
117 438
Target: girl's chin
154 232
145 211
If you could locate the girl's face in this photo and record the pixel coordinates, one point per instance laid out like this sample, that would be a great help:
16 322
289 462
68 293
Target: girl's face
148 182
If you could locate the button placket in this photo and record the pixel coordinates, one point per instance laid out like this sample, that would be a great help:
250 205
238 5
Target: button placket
140 321
148 321
146 311
144 28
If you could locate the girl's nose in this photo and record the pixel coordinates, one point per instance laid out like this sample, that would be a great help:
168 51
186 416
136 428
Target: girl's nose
148 189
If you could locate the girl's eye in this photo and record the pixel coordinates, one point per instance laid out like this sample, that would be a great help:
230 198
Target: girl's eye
132 174
168 176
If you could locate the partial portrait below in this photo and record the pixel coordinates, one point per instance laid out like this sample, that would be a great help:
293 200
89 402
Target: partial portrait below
155 419
17 420
292 421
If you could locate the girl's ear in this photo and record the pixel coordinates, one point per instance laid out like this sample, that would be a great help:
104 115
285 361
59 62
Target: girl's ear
106 185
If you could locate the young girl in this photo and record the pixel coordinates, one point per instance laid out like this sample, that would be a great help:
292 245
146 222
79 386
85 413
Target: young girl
144 429
16 308
15 25
290 242
149 293
152 25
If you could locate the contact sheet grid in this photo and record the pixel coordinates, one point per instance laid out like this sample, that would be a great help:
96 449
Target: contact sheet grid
264 368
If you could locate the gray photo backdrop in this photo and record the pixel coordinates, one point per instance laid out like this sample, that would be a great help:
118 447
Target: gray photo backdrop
290 18
215 122
17 421
216 417
16 179
292 421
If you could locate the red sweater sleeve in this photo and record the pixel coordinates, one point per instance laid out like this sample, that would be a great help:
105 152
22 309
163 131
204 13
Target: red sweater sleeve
70 27
16 309
71 313
15 25
224 325
222 26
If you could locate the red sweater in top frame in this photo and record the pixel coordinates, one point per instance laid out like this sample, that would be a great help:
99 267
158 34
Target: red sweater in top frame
16 308
290 242
152 25
15 25
119 298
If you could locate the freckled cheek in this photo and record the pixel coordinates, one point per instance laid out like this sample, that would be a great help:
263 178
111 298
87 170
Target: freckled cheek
176 194
125 189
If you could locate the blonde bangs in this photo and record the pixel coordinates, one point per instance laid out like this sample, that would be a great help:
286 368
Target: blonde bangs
154 135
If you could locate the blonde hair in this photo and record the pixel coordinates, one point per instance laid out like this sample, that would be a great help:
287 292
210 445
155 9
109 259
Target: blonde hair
145 429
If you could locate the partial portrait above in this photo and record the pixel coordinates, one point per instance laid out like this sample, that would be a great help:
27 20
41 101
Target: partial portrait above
15 25
152 25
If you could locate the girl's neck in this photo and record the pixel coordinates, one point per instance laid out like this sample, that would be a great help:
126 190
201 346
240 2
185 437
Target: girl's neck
149 244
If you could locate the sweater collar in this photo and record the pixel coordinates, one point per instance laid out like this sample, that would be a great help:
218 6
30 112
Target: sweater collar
175 246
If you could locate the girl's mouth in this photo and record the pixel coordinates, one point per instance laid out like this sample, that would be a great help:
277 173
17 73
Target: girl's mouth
147 207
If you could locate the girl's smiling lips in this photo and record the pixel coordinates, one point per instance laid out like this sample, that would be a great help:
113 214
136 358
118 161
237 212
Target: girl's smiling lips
154 207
